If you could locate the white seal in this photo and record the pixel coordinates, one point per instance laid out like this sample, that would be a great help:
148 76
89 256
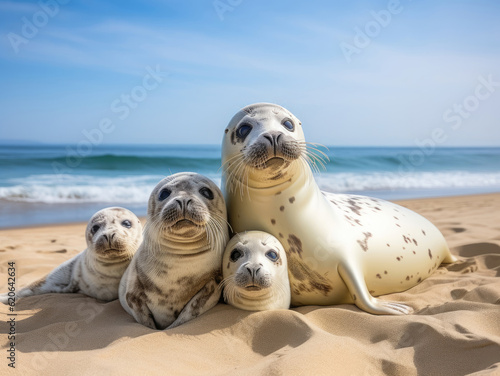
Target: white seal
113 235
255 272
340 248
174 275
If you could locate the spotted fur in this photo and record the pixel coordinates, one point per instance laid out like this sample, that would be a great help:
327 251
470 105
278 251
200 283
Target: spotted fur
97 270
338 246
174 275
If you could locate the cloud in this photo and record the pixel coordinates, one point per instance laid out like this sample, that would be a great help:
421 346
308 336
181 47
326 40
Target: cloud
399 84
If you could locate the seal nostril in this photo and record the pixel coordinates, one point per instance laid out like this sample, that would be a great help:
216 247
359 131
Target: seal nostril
106 237
269 138
250 271
113 235
179 202
278 137
188 202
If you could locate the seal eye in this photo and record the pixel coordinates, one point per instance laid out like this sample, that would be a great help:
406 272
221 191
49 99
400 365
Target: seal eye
235 255
126 223
288 124
207 193
243 130
94 229
271 255
164 194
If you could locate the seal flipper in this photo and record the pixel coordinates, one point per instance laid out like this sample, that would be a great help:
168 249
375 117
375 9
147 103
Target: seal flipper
449 259
139 310
57 281
355 282
201 302
4 298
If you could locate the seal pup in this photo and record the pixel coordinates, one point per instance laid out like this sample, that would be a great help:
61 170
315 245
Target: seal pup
113 235
255 272
174 275
340 248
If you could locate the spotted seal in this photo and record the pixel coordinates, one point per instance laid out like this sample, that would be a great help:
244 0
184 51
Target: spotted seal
113 235
174 275
255 272
340 248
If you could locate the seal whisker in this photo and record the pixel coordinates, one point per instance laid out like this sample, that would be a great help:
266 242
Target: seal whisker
225 165
314 154
239 159
222 219
309 161
230 292
316 157
309 156
314 147
233 177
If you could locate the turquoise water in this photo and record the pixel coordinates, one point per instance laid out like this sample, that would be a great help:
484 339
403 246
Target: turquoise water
57 183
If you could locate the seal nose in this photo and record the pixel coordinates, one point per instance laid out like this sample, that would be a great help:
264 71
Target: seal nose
273 137
109 237
183 203
253 269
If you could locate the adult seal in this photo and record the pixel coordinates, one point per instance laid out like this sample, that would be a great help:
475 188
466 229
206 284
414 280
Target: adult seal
113 235
174 275
255 272
340 248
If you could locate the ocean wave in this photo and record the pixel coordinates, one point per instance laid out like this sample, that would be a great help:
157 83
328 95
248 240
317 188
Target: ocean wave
76 194
388 181
57 189
115 162
53 189
130 159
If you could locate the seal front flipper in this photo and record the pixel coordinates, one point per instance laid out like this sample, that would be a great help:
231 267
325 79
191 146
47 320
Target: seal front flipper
138 308
57 281
355 282
201 302
4 298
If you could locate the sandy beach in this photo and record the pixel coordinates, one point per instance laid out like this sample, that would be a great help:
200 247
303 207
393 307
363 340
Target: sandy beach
455 329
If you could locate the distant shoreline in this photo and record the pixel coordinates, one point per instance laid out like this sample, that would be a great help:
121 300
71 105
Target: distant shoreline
87 212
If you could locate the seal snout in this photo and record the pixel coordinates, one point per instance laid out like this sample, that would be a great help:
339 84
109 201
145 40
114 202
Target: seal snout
252 276
253 269
107 242
274 139
183 203
273 148
184 211
109 237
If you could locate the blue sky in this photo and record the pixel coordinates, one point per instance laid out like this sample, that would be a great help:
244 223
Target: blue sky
421 71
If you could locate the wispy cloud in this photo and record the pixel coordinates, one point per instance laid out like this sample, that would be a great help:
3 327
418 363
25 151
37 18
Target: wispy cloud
281 51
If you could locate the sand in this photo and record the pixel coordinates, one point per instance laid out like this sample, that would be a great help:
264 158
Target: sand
454 331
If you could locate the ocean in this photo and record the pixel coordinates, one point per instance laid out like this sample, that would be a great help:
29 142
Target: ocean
41 184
